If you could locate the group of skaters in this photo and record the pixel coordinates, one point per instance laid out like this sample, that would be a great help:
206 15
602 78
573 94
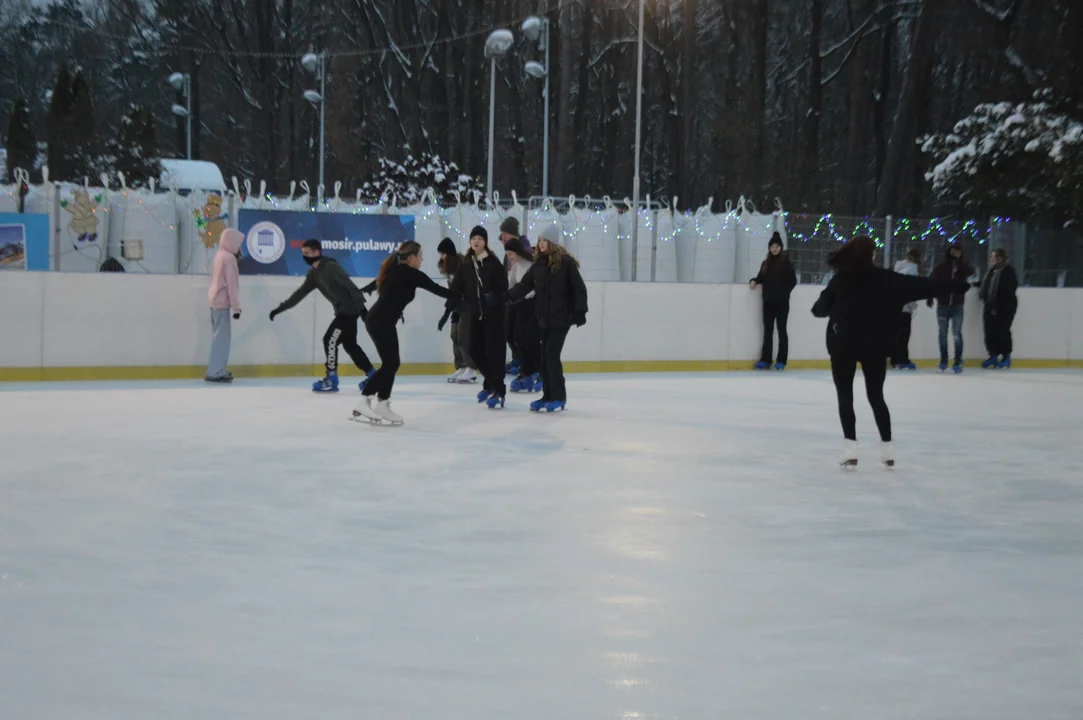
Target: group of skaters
529 301
870 310
777 279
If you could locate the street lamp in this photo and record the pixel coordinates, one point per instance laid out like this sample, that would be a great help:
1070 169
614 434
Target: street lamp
496 46
183 83
635 177
536 29
316 64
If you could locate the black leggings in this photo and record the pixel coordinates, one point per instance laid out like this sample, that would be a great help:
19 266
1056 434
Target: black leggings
487 351
552 369
775 312
343 331
874 368
386 339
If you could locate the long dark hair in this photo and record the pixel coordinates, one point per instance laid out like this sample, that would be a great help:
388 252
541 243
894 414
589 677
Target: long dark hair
407 249
857 254
449 264
773 262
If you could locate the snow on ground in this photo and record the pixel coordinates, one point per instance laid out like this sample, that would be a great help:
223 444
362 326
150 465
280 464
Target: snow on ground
674 546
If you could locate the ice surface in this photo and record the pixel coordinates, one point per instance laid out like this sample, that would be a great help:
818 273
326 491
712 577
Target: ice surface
671 547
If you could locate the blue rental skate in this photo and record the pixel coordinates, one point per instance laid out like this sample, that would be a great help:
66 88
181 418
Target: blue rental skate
536 384
483 396
780 366
943 365
495 402
328 384
1005 363
538 405
368 375
521 384
761 365
957 367
554 406
512 368
990 363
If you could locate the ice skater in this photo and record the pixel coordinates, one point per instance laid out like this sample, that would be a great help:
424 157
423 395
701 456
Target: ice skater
778 279
465 370
224 296
862 303
560 301
998 293
900 352
522 323
483 284
331 280
400 277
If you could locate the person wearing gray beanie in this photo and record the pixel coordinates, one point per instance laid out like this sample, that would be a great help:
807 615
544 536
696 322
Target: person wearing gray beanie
560 301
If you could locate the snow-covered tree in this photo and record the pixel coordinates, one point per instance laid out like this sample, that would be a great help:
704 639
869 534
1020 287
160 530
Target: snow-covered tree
409 180
21 144
1022 160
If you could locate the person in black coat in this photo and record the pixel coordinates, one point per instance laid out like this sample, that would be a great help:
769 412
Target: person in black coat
1000 304
862 303
560 301
399 278
483 283
777 280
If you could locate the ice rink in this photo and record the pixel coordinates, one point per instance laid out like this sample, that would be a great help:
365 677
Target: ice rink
671 547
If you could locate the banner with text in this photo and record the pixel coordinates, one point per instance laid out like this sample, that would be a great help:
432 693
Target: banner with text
24 241
360 243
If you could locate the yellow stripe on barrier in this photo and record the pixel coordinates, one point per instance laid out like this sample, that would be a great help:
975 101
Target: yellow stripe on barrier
196 372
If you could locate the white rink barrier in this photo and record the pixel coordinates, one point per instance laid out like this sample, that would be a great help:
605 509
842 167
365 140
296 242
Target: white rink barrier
113 325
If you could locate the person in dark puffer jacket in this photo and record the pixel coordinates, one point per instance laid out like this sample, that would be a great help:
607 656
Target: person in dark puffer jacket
483 283
950 305
560 301
778 279
998 294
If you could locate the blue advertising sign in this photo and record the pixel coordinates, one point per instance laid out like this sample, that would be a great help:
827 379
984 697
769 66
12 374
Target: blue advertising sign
360 243
24 241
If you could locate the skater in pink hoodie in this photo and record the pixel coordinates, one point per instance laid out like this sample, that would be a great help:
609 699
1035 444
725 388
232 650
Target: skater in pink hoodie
225 299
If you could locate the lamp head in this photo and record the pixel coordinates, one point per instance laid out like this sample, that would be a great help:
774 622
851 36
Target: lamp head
531 28
177 81
313 97
310 61
180 110
535 69
498 43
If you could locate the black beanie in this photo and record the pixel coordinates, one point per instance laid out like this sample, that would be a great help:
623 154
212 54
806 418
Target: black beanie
510 226
482 232
776 239
515 245
447 247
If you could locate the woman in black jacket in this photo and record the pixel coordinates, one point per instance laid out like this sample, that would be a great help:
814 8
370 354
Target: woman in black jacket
399 278
998 293
778 279
560 301
862 303
483 283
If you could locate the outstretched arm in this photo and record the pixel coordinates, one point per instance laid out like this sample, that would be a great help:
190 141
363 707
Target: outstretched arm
423 281
524 287
302 292
910 288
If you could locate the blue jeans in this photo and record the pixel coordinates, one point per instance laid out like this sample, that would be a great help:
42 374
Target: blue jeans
953 313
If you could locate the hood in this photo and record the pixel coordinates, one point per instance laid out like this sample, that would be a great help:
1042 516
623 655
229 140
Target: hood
231 240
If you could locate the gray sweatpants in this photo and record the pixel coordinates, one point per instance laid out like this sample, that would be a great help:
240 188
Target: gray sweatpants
220 339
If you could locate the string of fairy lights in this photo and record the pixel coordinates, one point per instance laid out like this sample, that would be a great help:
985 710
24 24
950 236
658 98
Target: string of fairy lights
903 230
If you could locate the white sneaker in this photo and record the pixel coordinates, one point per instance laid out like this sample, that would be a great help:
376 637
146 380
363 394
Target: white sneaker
364 409
383 411
849 456
469 375
887 454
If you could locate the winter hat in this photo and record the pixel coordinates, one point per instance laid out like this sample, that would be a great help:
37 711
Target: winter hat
510 226
515 246
550 232
776 239
481 232
447 247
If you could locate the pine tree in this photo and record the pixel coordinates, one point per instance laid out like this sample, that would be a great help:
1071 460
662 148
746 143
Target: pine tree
21 143
61 144
87 152
135 148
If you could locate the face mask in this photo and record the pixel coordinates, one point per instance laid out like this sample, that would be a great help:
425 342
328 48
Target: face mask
311 260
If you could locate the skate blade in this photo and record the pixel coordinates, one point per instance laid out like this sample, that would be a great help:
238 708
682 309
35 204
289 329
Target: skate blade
356 417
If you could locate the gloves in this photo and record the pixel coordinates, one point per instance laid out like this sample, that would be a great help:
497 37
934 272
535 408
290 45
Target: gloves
580 319
237 315
274 312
